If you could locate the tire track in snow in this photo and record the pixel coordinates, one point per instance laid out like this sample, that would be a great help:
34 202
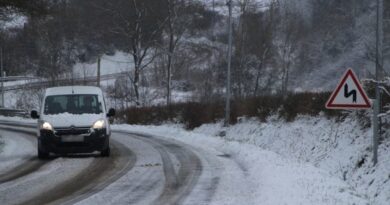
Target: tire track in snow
31 165
99 174
91 180
179 180
28 166
178 185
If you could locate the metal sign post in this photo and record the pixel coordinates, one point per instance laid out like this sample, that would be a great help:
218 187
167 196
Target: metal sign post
349 94
2 89
348 99
375 128
378 67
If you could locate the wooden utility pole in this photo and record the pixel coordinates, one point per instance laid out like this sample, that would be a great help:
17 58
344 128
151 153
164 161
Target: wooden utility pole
171 48
230 22
2 75
98 72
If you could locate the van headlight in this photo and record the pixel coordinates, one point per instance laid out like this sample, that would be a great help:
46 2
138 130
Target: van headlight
100 124
46 126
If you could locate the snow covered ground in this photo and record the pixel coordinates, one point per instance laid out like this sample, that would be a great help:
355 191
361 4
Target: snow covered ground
221 7
11 155
343 149
109 64
312 160
14 21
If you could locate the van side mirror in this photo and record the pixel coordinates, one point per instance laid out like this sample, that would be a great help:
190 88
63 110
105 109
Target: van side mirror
111 112
34 114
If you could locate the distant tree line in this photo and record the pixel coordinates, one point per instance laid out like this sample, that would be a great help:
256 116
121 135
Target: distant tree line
181 45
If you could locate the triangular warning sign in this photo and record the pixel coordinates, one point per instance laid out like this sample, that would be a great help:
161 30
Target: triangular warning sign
349 94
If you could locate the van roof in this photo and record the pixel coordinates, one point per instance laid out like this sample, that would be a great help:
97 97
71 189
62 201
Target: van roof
69 90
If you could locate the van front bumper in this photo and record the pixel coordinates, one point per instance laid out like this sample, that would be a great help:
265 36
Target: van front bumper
55 142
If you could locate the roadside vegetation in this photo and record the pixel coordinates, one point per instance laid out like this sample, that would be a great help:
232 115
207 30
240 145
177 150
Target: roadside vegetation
194 114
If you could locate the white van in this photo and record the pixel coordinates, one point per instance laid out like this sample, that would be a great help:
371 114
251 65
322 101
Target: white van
73 119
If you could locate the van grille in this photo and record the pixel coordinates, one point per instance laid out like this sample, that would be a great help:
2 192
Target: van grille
72 131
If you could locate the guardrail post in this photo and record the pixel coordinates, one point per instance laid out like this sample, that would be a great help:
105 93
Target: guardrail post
2 75
2 88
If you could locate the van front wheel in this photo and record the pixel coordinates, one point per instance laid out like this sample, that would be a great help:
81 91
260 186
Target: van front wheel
42 154
105 152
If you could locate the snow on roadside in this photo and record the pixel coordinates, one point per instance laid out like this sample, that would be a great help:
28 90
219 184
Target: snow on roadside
18 119
276 179
119 62
341 148
14 151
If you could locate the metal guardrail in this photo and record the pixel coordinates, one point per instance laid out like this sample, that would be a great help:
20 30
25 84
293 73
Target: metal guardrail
13 113
14 78
18 124
80 80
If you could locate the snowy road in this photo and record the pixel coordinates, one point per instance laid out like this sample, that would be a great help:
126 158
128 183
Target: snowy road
143 169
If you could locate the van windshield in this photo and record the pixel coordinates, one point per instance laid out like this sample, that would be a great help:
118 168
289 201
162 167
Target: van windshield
74 104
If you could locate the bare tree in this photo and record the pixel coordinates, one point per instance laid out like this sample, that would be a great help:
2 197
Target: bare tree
240 49
263 46
253 49
140 24
54 44
55 52
287 44
140 48
175 30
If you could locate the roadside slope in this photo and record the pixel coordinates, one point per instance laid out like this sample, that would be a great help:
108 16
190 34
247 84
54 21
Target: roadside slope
271 178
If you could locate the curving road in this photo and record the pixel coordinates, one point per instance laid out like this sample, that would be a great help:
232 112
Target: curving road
143 169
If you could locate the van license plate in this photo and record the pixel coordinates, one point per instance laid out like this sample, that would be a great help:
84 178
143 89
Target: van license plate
72 138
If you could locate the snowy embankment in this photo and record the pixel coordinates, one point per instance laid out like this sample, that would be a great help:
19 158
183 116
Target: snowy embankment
312 160
343 149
